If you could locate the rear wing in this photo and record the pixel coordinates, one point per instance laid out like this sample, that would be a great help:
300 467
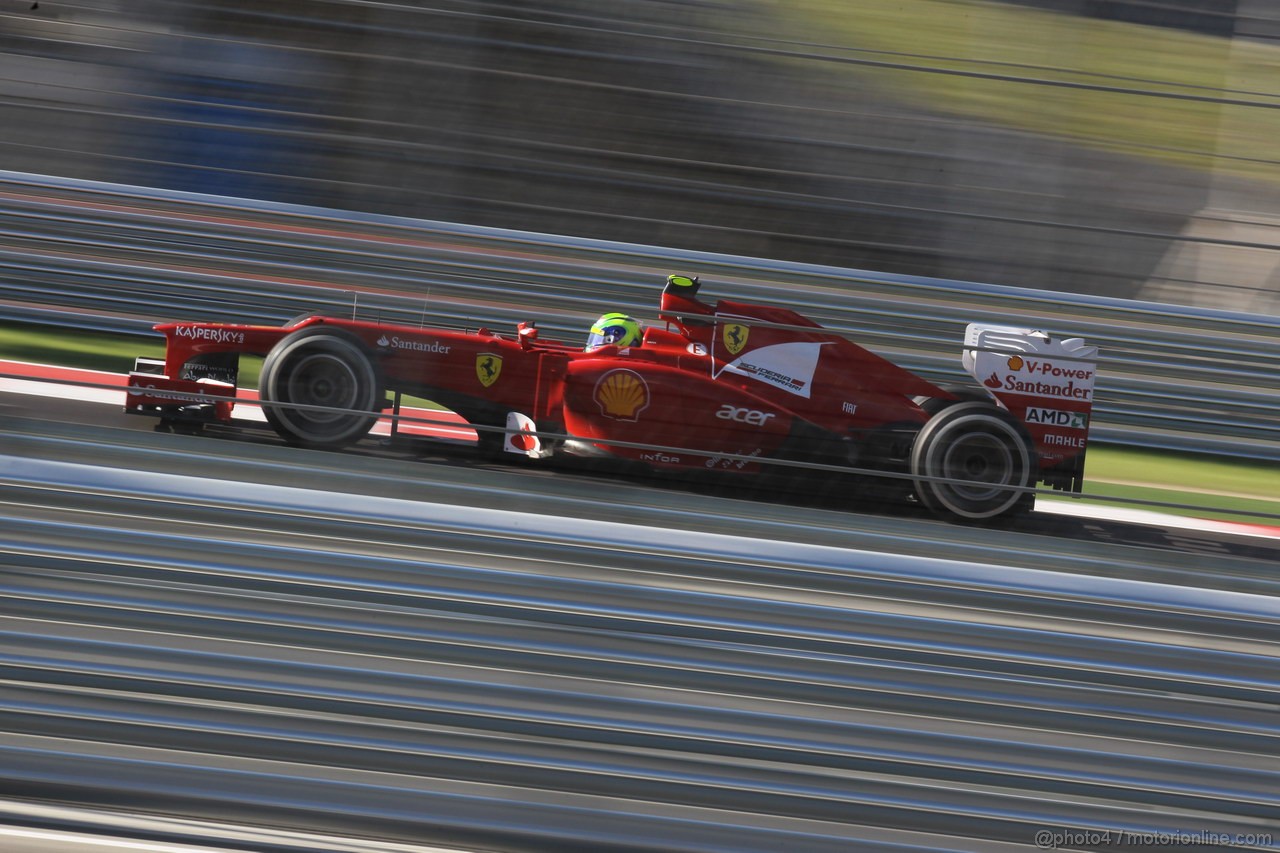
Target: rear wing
1044 382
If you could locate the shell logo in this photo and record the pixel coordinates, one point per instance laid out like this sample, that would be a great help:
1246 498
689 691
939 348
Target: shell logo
622 395
1015 362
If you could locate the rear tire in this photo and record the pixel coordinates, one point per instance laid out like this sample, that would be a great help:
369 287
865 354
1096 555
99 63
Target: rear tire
320 366
973 441
960 393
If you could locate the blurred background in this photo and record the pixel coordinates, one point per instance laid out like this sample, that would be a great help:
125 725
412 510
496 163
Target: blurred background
237 639
1115 147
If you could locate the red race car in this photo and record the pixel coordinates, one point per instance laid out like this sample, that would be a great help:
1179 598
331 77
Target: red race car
730 387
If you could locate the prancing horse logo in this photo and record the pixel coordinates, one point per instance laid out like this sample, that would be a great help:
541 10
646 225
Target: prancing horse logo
735 337
488 367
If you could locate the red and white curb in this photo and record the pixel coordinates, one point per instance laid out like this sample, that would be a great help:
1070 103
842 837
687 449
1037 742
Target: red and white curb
42 380
1129 515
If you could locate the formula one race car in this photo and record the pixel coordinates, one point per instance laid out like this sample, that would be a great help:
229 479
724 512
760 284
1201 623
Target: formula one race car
734 388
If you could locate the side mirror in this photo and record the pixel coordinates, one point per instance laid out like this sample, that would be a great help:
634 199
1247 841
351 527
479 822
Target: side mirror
528 333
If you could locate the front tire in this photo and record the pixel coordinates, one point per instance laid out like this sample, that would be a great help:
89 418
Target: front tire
978 443
318 366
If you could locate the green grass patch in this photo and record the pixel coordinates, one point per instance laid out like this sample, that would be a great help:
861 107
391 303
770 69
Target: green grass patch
1228 477
1228 485
76 347
1107 84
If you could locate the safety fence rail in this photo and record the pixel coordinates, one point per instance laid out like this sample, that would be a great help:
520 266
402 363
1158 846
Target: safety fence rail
120 258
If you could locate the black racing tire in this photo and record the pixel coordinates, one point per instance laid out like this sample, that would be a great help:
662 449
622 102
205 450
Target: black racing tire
320 366
973 441
961 393
306 315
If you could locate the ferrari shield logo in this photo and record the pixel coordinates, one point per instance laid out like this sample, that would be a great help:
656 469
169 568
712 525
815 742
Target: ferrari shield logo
488 368
735 337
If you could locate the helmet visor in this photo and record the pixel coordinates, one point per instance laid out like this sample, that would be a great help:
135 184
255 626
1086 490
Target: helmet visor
604 335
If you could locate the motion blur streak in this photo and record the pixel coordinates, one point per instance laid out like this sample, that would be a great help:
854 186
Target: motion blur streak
1116 148
758 677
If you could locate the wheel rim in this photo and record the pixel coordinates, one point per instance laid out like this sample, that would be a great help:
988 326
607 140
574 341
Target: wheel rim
979 458
321 379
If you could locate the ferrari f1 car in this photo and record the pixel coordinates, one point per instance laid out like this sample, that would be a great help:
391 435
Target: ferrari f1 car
731 387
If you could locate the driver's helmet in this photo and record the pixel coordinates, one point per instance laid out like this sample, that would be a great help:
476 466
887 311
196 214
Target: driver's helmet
614 329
